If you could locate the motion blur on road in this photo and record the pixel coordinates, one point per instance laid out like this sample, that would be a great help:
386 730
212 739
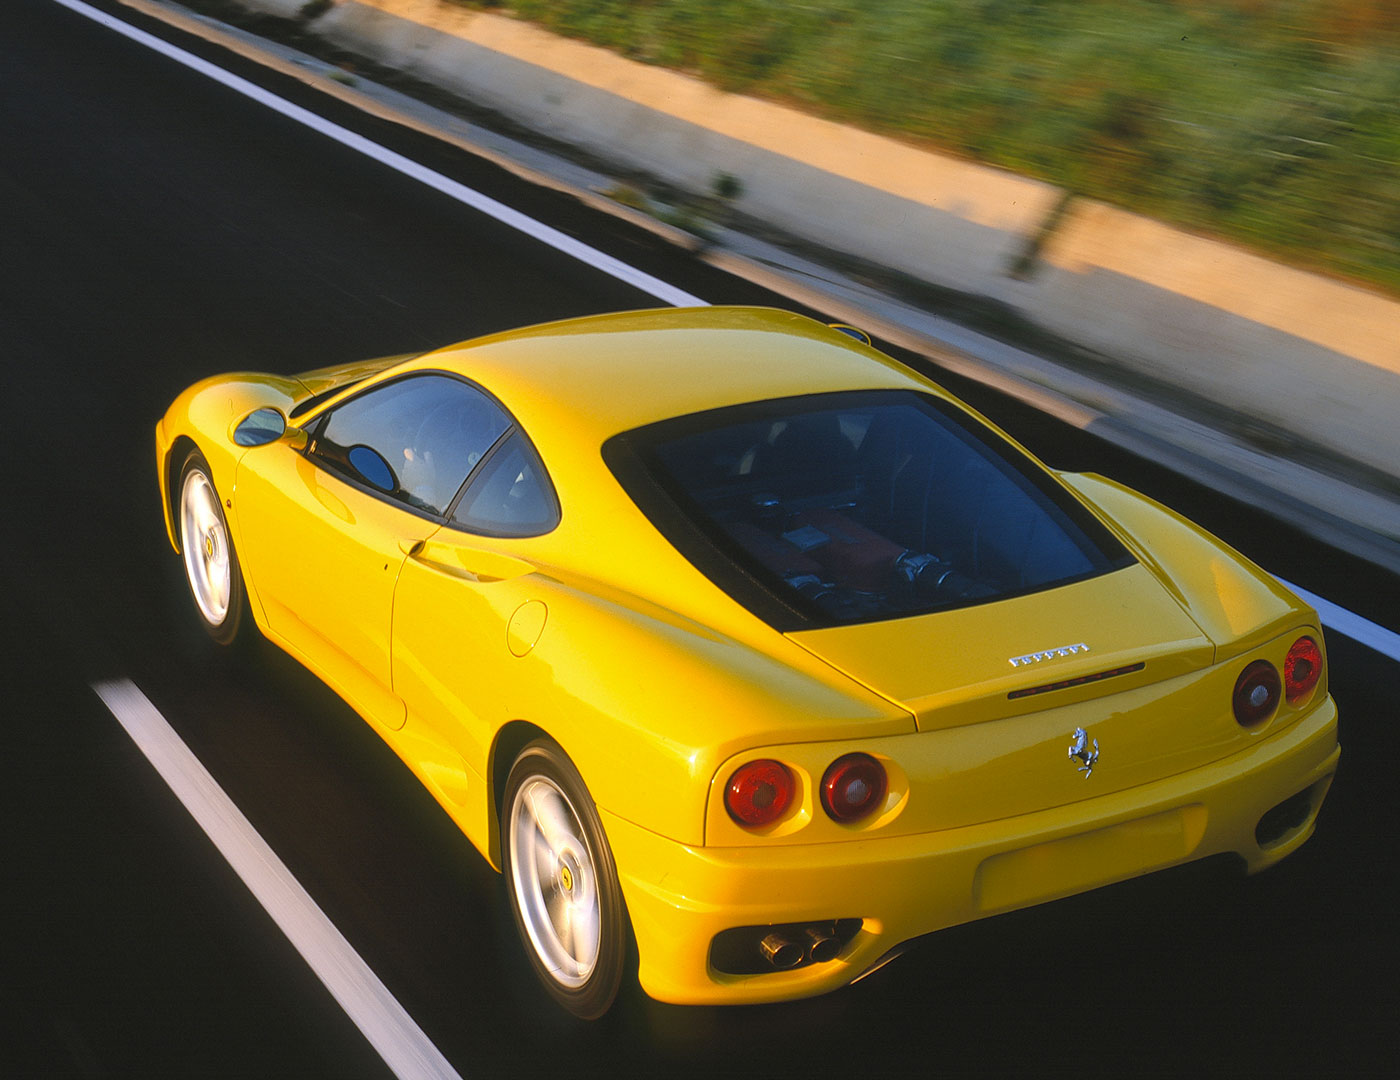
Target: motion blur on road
156 228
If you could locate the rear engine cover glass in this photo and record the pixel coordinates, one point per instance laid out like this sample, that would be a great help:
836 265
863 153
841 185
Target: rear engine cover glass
834 509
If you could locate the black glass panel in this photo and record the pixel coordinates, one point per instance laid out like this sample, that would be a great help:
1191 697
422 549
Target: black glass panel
857 507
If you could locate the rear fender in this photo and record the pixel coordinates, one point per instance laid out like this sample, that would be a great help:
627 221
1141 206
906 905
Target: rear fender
648 704
1236 604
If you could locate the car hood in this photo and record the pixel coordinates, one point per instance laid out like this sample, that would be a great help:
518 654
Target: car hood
997 660
322 384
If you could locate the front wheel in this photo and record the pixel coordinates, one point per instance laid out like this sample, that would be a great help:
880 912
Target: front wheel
562 881
211 566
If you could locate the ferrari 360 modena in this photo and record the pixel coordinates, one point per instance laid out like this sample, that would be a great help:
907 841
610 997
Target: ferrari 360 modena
742 649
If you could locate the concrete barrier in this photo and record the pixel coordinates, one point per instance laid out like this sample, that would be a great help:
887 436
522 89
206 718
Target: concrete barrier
1302 352
284 9
949 221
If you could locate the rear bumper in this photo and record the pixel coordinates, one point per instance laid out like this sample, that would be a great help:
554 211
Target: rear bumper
680 897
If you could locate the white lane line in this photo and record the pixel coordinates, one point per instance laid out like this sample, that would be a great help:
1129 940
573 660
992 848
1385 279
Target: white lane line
576 249
1349 624
391 1031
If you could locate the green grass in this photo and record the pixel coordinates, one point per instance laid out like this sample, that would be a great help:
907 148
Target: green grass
1275 123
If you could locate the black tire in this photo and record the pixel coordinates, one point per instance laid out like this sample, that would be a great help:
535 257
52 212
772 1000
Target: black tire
563 888
212 571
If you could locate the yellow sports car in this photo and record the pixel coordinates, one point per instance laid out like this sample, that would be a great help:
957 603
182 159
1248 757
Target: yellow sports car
742 649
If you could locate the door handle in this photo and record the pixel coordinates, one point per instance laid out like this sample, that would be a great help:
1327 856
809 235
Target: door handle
467 563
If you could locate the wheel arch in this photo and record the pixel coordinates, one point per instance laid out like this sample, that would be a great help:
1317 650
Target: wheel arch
510 740
170 473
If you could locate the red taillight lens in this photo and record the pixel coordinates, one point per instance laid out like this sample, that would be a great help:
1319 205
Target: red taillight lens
758 793
1257 691
1301 670
854 786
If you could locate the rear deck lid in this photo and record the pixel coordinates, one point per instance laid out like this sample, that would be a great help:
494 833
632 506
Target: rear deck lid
990 661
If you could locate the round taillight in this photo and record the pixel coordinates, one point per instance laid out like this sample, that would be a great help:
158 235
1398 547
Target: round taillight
1257 691
1301 670
853 787
758 793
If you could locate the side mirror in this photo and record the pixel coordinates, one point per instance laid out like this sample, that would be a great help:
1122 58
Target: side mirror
263 426
372 468
852 331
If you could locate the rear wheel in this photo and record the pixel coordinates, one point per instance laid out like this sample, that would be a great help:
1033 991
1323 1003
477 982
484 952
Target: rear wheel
562 881
206 547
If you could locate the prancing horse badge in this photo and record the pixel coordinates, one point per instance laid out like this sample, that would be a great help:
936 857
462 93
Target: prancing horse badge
1079 751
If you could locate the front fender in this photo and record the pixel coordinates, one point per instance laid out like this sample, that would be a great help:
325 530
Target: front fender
204 416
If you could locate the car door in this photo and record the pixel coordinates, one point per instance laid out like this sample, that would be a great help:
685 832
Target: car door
326 528
466 608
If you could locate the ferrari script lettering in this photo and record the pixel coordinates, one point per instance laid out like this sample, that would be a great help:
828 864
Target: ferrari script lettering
1048 654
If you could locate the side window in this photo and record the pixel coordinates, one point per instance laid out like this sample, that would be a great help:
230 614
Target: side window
510 495
430 429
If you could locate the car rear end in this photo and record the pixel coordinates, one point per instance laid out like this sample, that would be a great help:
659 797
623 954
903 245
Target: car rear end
973 820
1079 719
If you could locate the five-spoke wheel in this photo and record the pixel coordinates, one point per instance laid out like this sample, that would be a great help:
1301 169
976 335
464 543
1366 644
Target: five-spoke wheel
211 567
562 882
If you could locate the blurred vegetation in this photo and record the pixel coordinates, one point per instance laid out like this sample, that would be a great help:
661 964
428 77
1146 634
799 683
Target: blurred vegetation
1272 122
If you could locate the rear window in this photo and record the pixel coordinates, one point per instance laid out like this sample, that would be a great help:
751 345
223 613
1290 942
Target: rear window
845 508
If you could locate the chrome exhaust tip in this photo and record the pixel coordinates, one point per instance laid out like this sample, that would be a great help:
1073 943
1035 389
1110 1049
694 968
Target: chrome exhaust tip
774 947
782 951
822 944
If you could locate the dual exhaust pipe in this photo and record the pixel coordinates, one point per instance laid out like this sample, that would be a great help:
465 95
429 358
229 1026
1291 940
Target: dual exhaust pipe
816 944
774 947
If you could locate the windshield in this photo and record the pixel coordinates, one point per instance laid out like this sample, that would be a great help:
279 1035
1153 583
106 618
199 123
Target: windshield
855 507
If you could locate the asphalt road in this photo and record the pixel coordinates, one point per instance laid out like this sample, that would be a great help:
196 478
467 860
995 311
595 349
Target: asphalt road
156 228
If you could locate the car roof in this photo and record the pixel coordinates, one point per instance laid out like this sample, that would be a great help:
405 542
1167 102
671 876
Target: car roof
594 377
